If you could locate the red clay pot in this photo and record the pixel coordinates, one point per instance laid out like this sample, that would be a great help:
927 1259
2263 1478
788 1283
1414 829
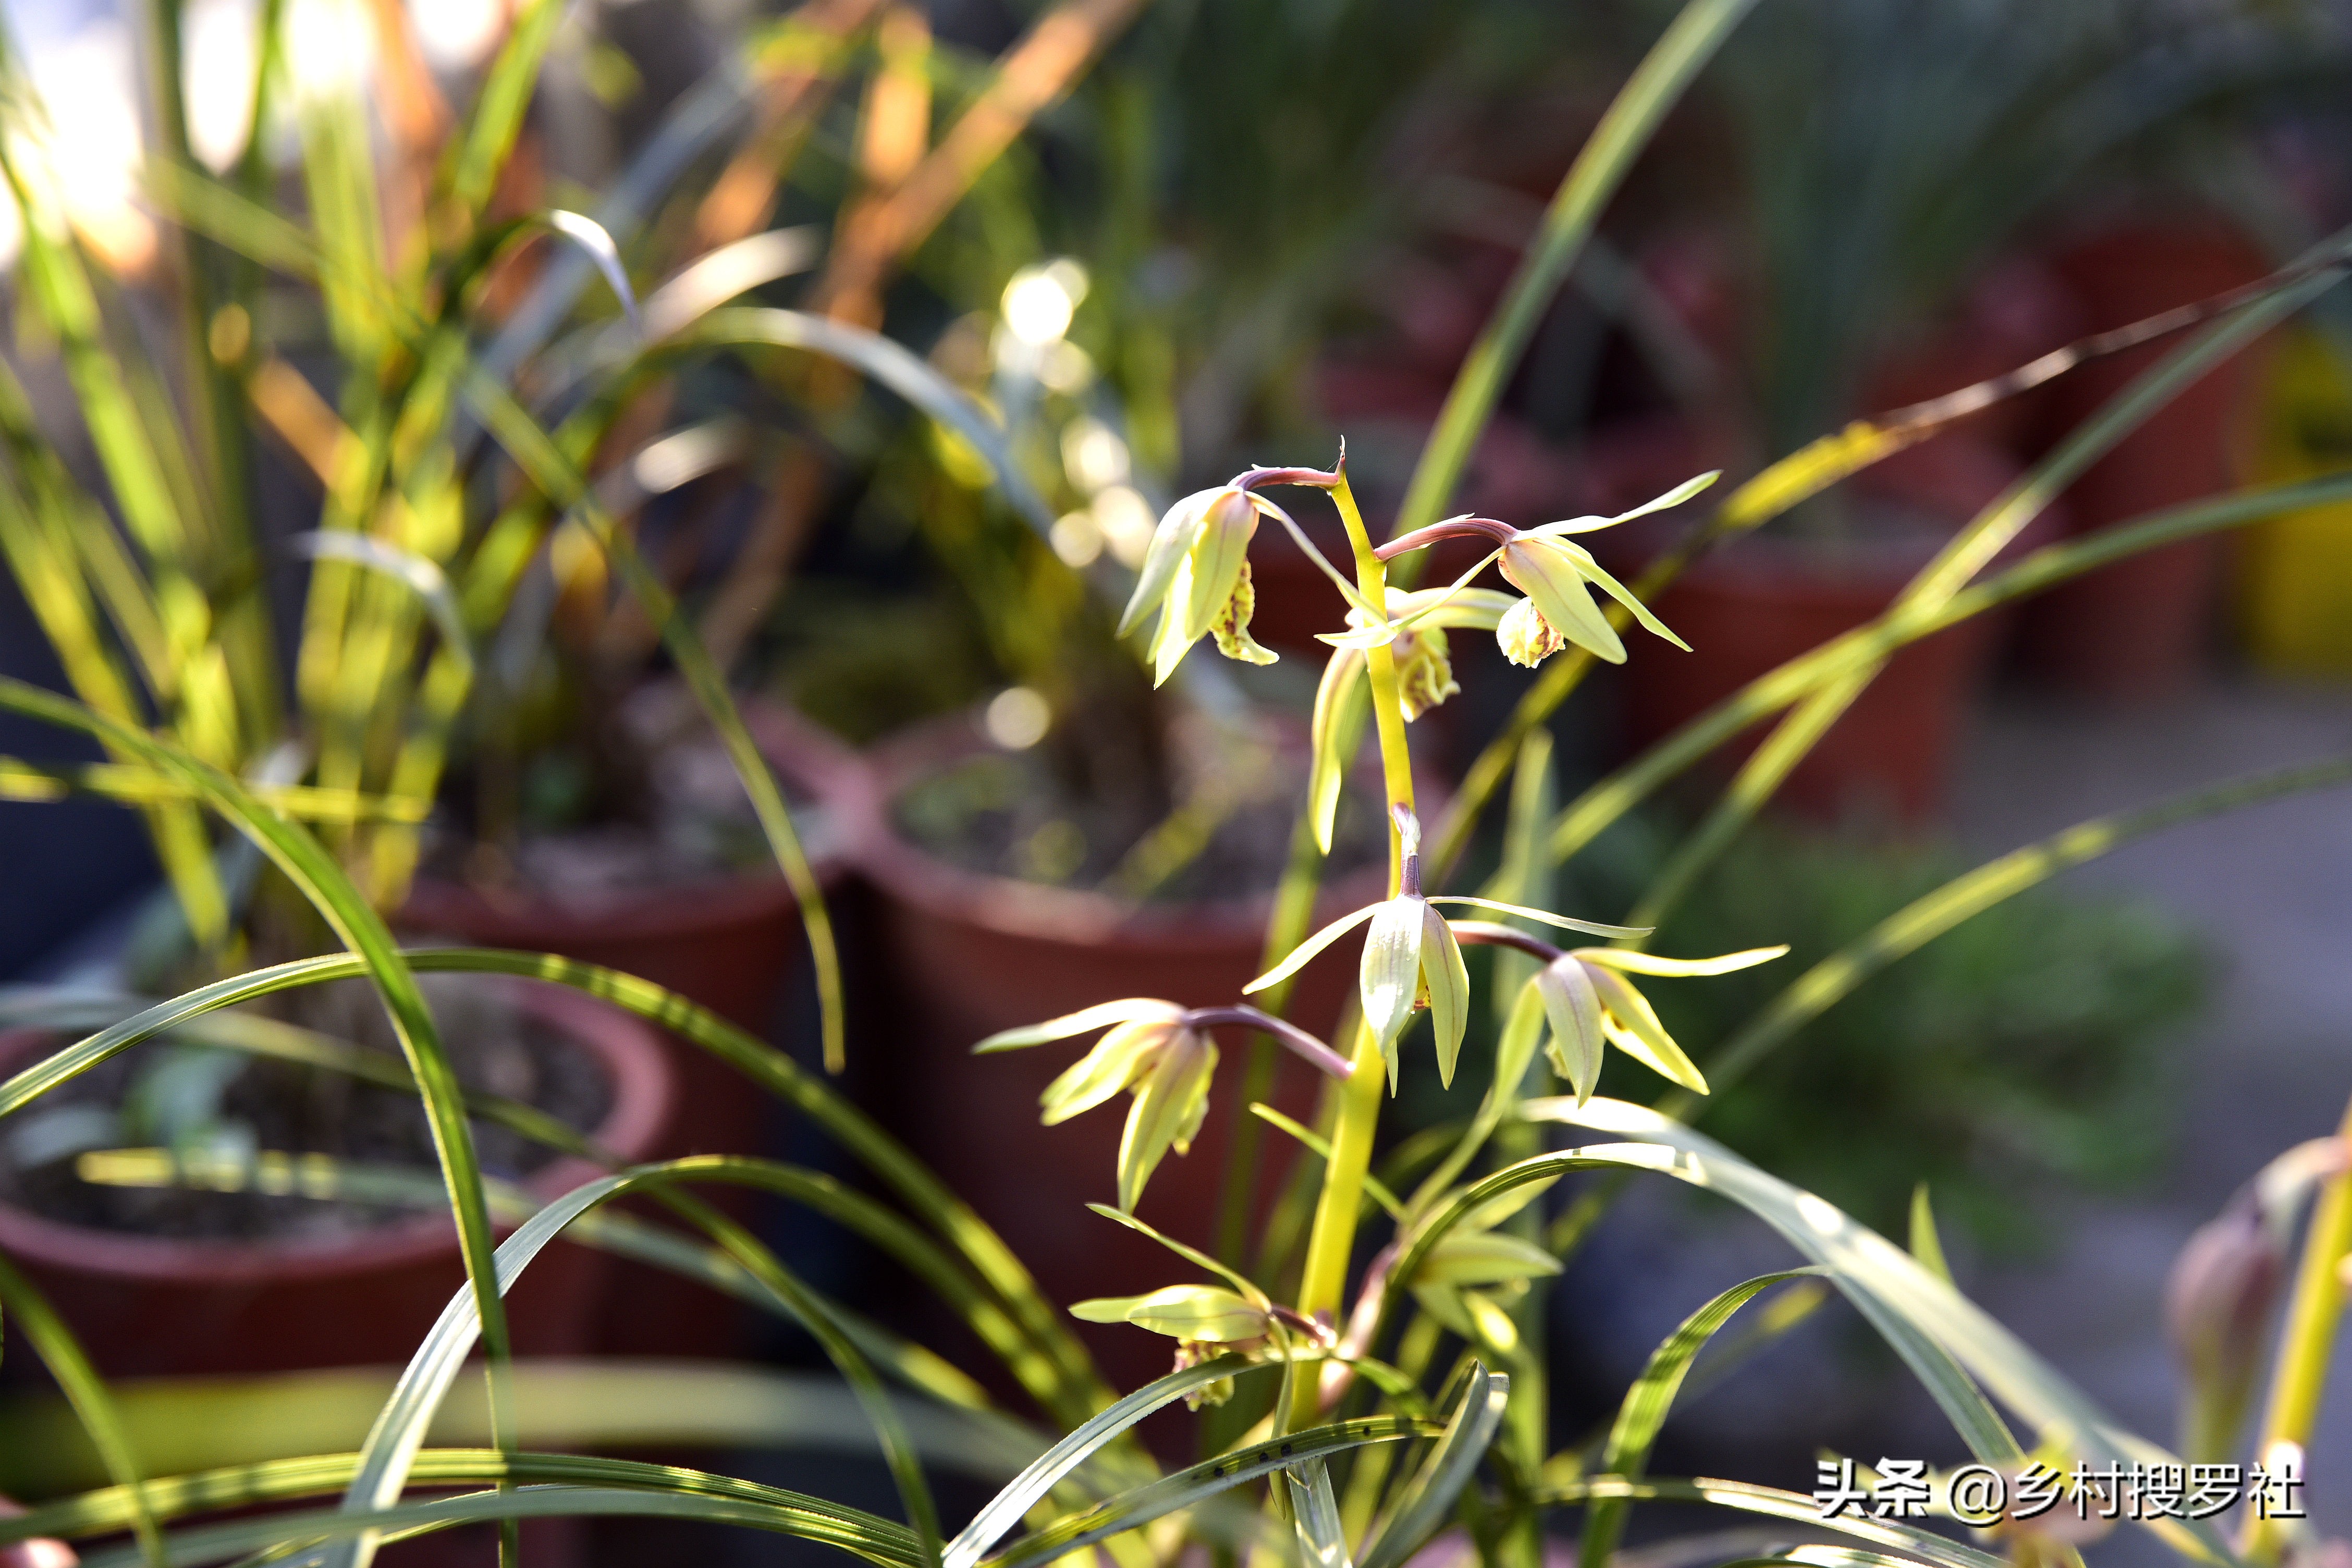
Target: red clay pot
160 1306
968 954
730 942
2140 629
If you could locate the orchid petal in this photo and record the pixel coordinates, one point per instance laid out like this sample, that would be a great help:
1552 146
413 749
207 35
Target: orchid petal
1449 990
1216 561
1305 951
1390 972
1674 496
1113 1063
1635 1028
1168 1109
1635 963
1574 1005
1542 570
1545 916
1625 595
1079 1022
1171 542
1337 698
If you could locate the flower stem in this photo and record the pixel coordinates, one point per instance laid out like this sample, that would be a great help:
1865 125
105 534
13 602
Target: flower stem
2306 1342
1323 1283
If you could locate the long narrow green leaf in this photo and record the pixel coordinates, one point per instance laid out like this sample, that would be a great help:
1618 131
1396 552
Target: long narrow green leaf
1025 1491
548 469
1929 916
1072 1390
1315 1514
1651 1395
1425 1499
93 1406
1187 1488
891 364
1937 1332
1657 84
1773 1503
400 1428
108 1512
233 1433
481 150
1968 552
333 1529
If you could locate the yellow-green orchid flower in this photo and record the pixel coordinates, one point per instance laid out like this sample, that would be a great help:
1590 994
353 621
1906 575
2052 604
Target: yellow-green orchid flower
1162 1054
1412 960
1589 1002
1556 574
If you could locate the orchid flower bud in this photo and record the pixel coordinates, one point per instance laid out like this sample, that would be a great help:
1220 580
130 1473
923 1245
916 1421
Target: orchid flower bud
1465 1280
1205 1321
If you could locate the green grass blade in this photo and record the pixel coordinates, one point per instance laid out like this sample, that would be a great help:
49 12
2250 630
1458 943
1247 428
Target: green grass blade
1188 1488
1314 1512
1070 1388
233 1429
1929 916
1926 1244
481 149
1687 43
93 1406
1946 1338
1604 802
108 1512
892 365
1968 552
334 1530
1024 1492
1651 1395
1925 1545
1423 1503
553 473
400 1428
319 1177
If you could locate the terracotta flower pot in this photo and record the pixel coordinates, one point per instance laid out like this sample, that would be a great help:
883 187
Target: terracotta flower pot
969 954
730 942
160 1305
2140 628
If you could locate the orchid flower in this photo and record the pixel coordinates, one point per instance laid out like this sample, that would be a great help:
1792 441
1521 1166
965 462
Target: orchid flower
1162 1054
1424 670
1554 573
1589 1002
1412 959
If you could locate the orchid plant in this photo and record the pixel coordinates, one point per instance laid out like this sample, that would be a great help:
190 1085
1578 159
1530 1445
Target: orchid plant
1315 1371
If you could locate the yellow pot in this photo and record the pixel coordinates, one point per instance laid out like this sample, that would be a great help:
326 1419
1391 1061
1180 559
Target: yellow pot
2294 576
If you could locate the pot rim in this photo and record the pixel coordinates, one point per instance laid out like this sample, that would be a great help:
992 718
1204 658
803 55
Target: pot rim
806 753
912 876
635 1061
